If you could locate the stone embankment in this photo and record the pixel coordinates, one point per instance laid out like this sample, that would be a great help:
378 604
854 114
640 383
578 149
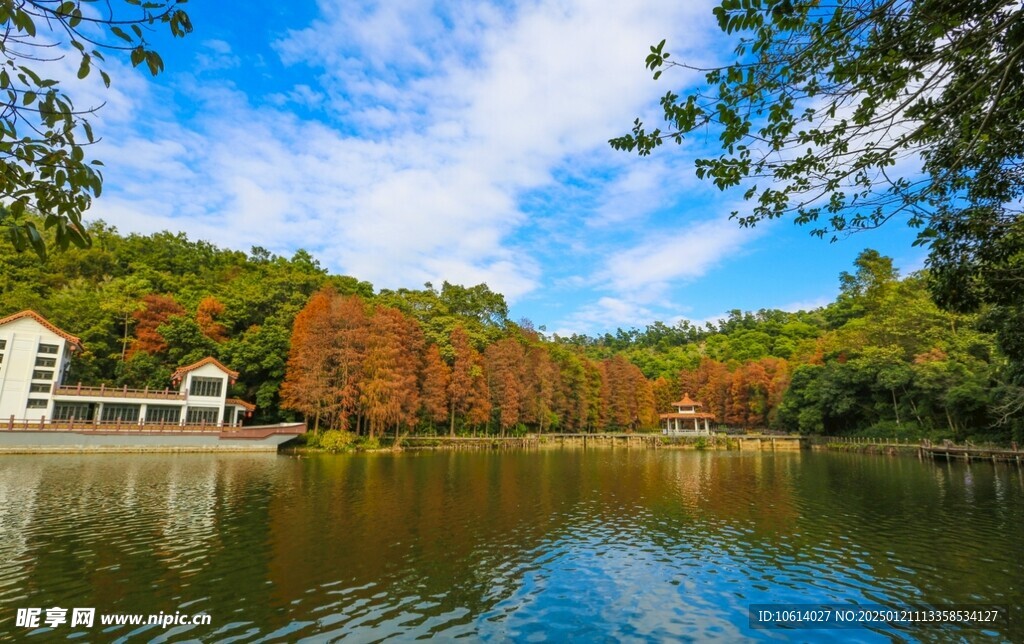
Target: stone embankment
607 440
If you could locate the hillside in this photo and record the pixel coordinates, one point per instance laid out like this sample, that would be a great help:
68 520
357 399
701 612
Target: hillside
881 359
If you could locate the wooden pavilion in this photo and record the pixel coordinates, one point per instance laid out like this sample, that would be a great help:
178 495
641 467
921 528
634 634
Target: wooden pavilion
686 420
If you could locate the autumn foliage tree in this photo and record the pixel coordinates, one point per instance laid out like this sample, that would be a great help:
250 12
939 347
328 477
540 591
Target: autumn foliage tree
467 388
436 379
539 388
210 308
389 395
630 399
505 362
156 310
739 394
308 386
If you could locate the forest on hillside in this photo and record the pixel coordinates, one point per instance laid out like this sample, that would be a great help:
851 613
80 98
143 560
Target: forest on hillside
880 360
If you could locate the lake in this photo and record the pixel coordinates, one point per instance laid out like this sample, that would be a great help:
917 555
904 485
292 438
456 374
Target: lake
557 544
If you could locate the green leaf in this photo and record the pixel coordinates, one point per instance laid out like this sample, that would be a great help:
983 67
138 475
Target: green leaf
120 33
154 62
23 22
83 69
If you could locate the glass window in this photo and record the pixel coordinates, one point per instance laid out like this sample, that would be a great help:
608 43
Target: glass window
205 386
38 374
163 414
37 403
39 388
198 415
1 358
3 344
46 362
69 411
48 348
128 413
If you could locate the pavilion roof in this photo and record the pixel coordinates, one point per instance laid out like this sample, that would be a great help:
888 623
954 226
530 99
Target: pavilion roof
699 415
687 402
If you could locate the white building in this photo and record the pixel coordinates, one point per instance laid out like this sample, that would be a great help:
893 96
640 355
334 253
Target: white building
34 357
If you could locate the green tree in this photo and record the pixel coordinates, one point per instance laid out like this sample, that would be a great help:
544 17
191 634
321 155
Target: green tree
821 103
43 135
261 352
123 298
848 115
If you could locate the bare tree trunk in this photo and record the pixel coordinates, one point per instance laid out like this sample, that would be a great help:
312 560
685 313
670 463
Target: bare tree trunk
124 342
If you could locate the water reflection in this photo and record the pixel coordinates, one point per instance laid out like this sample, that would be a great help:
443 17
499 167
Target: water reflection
595 544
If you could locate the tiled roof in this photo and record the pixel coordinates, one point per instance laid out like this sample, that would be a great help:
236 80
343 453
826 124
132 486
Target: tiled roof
72 340
238 402
687 402
695 415
180 372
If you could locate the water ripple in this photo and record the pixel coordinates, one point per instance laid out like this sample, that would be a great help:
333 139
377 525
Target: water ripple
594 545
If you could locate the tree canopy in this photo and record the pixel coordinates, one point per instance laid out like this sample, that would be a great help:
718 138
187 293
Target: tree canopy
847 114
43 134
882 359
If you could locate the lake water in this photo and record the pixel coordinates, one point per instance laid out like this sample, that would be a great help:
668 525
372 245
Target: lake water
573 544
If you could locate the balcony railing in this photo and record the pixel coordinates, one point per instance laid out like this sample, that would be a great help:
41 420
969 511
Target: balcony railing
44 424
118 392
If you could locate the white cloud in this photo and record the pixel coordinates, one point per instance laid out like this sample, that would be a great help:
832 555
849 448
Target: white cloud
606 313
807 305
435 124
216 55
682 252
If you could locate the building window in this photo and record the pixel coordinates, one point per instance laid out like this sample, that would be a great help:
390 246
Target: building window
46 362
205 387
72 411
163 414
48 348
1 358
38 374
37 403
125 413
198 415
3 344
39 388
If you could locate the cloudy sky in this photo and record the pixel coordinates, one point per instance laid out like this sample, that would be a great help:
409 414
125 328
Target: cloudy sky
412 141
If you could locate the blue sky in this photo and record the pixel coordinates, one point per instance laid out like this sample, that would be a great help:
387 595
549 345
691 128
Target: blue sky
410 141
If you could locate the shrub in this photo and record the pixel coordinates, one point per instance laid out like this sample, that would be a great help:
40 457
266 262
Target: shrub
366 443
334 441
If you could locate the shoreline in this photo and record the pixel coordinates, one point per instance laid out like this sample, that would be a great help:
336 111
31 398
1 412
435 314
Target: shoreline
753 442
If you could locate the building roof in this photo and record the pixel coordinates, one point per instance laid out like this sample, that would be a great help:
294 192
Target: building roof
687 402
238 402
75 343
180 372
696 415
